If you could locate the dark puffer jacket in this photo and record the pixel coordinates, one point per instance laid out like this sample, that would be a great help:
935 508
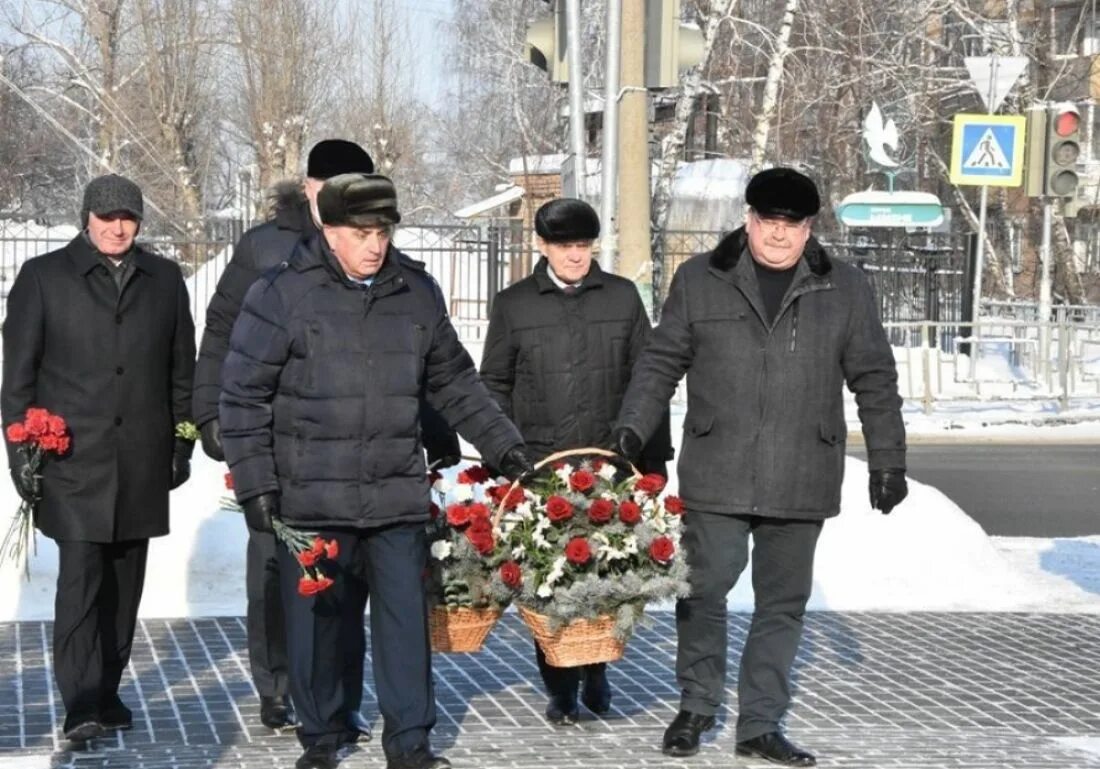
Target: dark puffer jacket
262 248
559 364
321 389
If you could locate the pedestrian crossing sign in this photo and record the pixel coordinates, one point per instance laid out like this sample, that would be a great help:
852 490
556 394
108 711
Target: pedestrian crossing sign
988 150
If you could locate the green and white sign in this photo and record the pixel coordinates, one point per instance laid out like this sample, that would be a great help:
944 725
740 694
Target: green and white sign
890 209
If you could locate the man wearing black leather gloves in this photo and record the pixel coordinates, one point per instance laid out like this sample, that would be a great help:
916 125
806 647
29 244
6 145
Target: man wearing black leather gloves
320 405
100 333
768 329
558 354
259 249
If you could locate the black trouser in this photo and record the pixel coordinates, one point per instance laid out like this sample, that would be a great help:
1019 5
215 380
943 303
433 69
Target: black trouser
98 591
390 562
782 578
267 654
562 683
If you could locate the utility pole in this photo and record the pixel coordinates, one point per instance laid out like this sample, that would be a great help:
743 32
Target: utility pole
635 260
576 94
609 162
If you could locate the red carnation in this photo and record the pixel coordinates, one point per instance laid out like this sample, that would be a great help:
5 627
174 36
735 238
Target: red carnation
510 574
317 547
578 551
307 558
38 422
479 511
332 549
650 483
480 526
480 534
674 505
511 497
63 444
308 586
17 432
474 475
559 509
582 481
601 510
49 442
630 513
57 425
458 515
661 549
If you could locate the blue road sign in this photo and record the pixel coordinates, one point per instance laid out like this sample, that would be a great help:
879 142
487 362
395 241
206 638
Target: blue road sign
988 149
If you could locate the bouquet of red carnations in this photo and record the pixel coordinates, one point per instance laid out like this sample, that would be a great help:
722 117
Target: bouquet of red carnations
40 434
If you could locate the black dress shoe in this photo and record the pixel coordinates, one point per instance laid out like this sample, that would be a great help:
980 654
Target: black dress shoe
358 724
682 735
596 691
320 756
420 758
83 730
276 713
115 716
776 748
562 711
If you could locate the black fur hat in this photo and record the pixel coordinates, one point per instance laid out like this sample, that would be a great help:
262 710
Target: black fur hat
566 219
358 200
783 192
331 157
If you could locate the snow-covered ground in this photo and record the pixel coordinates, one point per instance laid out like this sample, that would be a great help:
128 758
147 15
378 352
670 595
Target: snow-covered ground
928 555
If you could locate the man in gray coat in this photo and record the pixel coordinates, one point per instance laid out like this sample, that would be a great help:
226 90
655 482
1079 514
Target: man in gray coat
768 330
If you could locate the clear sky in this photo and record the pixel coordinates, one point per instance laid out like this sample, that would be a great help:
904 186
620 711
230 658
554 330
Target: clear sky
428 20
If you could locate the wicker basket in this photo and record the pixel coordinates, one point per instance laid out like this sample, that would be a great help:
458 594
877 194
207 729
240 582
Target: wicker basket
581 642
461 629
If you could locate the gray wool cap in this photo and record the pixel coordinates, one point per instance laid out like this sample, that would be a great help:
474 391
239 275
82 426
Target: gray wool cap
109 193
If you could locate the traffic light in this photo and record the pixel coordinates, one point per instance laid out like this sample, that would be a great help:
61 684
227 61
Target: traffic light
1063 149
546 40
670 46
1053 147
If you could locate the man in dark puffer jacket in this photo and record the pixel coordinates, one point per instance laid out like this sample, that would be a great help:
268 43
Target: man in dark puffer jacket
260 249
319 409
558 354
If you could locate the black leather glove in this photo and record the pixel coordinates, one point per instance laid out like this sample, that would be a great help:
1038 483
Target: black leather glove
626 443
888 488
515 463
181 462
212 440
27 484
259 511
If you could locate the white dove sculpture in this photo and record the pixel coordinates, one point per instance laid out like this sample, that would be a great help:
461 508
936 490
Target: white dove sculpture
879 136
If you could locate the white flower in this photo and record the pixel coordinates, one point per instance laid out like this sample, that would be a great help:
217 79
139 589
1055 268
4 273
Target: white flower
441 486
607 472
518 552
564 472
630 545
537 534
441 549
544 591
524 511
463 492
556 571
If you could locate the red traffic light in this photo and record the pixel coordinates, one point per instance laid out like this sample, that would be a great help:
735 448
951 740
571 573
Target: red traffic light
1066 122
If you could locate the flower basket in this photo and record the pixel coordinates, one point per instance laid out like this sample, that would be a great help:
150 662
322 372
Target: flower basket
588 544
460 629
581 642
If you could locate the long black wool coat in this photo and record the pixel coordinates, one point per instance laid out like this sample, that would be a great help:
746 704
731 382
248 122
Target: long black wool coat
118 367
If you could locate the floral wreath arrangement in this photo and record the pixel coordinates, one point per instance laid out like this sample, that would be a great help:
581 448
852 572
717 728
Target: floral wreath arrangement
40 434
308 549
466 585
588 545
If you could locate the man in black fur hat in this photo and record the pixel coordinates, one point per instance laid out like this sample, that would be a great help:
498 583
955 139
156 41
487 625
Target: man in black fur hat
259 249
768 329
558 353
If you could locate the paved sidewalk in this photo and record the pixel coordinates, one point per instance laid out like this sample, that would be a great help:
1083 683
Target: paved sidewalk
872 690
